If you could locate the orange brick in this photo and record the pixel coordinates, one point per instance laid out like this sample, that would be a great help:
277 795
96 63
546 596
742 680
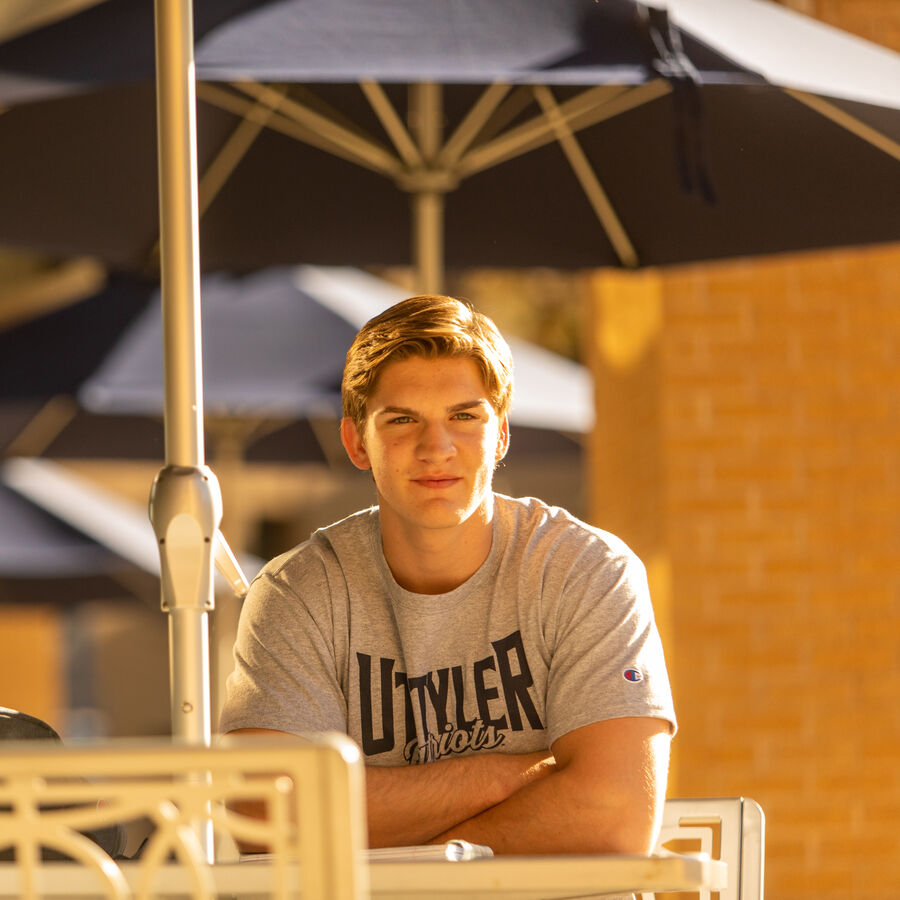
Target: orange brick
782 500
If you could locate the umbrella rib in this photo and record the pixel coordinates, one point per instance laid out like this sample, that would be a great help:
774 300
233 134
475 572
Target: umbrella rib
392 123
610 221
509 111
470 127
326 436
365 150
24 299
24 17
231 153
242 106
225 162
588 108
845 120
228 565
44 427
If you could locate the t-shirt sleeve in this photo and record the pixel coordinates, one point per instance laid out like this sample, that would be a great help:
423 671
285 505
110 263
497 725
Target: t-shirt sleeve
286 675
607 659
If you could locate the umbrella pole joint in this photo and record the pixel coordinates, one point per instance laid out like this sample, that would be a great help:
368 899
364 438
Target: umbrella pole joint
435 180
185 510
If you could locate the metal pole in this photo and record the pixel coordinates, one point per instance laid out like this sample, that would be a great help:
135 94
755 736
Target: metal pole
185 502
428 222
426 114
179 241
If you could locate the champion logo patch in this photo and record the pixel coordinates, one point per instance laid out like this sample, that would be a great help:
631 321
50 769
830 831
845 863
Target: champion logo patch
633 675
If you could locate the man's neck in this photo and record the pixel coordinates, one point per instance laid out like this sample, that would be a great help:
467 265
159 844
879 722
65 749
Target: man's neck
436 560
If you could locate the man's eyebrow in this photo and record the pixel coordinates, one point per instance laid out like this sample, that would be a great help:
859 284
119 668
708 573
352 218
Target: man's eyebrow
468 404
408 411
401 410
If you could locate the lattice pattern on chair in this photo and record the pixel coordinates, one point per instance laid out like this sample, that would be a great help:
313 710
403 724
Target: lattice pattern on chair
311 788
731 829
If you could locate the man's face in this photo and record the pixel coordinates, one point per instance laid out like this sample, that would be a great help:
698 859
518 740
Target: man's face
432 440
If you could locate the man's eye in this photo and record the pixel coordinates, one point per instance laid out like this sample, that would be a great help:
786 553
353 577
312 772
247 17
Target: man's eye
401 420
463 415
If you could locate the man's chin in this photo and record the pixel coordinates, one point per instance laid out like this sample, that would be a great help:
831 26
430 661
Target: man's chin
445 513
440 511
437 515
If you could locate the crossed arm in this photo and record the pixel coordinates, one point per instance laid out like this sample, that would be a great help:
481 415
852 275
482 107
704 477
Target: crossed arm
600 791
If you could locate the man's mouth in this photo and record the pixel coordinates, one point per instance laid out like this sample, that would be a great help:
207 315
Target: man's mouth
437 481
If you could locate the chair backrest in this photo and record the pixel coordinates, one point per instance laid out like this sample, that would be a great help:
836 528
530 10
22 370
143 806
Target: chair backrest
312 790
731 829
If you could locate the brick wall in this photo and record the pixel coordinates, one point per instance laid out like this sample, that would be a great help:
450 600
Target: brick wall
781 446
31 667
782 443
875 20
774 548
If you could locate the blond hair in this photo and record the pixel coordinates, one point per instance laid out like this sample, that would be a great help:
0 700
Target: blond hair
430 326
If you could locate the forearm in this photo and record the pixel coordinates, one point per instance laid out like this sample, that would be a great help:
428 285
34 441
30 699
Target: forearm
559 814
414 804
602 797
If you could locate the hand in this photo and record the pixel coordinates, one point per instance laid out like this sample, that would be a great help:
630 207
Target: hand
416 804
602 794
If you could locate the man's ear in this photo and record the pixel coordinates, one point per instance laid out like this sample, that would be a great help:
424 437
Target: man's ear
502 440
353 444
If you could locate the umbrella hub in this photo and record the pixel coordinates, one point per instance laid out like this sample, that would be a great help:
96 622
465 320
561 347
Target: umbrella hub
425 179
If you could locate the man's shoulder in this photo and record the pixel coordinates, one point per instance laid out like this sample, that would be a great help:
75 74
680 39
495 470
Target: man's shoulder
528 517
326 546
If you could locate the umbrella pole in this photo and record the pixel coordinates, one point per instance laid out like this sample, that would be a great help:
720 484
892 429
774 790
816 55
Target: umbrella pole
185 501
426 113
428 219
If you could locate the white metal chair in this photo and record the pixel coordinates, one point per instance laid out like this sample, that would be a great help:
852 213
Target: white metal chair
312 789
730 829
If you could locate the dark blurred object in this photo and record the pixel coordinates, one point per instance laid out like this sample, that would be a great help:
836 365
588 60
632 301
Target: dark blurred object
45 362
17 726
44 560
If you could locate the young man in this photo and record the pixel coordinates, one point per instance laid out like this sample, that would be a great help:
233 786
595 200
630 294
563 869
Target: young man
495 659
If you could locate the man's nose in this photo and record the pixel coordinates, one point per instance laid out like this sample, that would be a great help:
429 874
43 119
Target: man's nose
435 442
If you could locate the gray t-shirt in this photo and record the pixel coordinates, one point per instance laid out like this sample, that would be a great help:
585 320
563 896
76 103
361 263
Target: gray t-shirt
554 631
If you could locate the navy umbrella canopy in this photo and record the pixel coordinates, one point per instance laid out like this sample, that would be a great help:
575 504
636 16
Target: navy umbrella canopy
271 351
44 559
396 41
106 42
272 357
44 362
87 380
275 344
503 132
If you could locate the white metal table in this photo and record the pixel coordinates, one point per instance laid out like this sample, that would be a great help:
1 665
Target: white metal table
523 878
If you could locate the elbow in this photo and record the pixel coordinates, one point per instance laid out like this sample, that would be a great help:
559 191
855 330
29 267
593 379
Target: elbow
635 818
620 823
636 838
613 832
251 809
